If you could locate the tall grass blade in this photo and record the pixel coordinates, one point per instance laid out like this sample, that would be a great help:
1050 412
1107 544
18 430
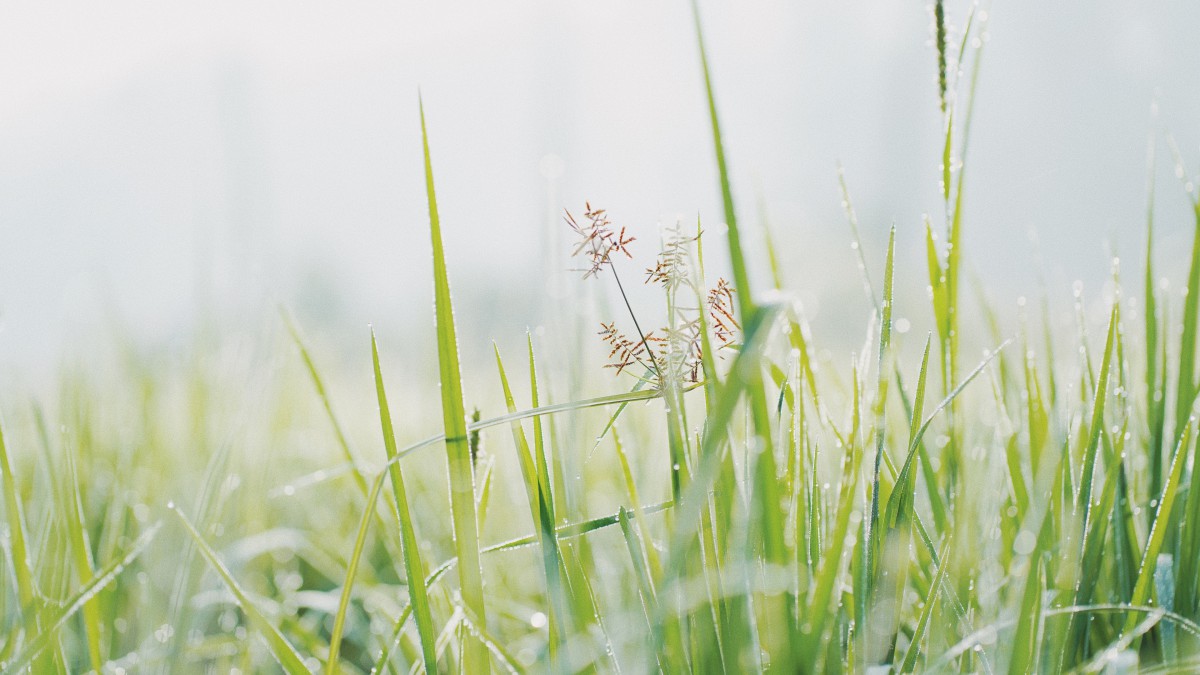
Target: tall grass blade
741 279
454 417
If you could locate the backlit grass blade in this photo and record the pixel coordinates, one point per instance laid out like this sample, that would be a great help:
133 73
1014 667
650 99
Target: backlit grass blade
18 544
816 616
1155 400
1158 532
645 590
541 506
914 650
339 618
283 650
1024 653
900 502
414 566
741 279
885 337
454 417
1185 392
319 384
1084 497
84 563
87 592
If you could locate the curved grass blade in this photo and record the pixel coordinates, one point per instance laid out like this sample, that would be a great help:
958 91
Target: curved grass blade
414 567
89 590
283 650
339 617
319 384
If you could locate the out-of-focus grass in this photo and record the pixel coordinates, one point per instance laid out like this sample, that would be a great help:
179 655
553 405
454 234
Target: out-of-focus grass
737 504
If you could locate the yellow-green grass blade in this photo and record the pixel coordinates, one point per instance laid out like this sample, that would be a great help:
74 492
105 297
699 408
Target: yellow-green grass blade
1084 496
88 591
541 506
360 540
816 616
1185 392
310 365
1156 398
283 650
1189 542
741 279
1090 564
18 544
454 417
414 566
646 591
914 650
728 395
1158 532
914 443
539 442
885 337
1025 646
84 563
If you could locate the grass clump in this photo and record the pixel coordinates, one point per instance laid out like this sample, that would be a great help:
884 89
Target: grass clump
760 509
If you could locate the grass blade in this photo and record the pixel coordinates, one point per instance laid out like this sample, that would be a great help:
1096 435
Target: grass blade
22 564
741 279
1158 532
81 597
914 650
283 650
414 567
454 417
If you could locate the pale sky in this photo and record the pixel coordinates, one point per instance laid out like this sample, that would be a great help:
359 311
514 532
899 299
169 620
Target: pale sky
252 152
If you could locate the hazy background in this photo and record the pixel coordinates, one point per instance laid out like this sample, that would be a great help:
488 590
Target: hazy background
160 158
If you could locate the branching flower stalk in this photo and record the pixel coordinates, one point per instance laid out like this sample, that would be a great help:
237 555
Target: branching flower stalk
674 350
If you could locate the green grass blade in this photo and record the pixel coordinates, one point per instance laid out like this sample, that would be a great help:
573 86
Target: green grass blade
885 337
741 279
84 563
314 374
1084 496
283 650
18 544
914 650
360 540
1025 643
541 506
1185 392
454 417
414 566
645 590
817 614
900 502
77 601
1158 532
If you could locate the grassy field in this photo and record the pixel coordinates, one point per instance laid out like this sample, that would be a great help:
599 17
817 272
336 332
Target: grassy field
739 504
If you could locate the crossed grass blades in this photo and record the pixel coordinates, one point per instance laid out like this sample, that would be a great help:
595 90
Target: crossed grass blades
773 510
